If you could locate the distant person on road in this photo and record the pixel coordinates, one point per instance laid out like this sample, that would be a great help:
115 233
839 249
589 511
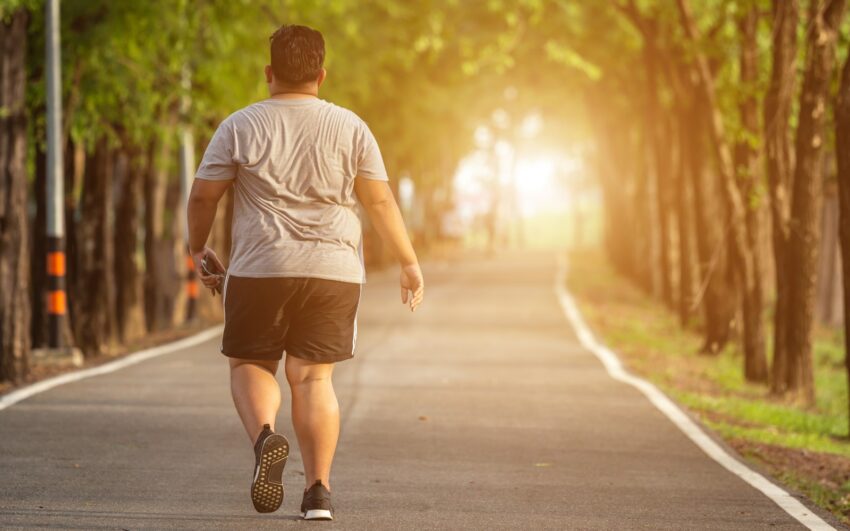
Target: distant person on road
298 166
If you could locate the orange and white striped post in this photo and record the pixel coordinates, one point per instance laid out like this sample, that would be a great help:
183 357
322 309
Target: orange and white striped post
57 303
192 288
57 300
187 173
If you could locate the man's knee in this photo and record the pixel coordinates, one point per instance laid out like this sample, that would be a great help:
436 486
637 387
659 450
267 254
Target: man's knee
301 372
266 365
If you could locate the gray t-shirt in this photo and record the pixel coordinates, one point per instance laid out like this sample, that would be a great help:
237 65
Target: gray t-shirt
294 163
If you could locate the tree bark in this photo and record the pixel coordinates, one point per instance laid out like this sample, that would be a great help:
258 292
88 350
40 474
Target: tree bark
666 209
715 285
129 295
95 281
749 176
165 252
38 263
684 200
655 129
716 290
777 114
622 229
678 75
842 151
828 307
14 223
643 219
75 167
151 192
804 236
742 254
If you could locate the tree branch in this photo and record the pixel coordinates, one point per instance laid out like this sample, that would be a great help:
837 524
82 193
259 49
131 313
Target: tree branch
631 11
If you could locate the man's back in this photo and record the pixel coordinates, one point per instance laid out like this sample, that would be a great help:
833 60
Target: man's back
299 165
294 162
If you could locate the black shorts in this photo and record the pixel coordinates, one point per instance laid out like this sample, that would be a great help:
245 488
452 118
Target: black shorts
309 318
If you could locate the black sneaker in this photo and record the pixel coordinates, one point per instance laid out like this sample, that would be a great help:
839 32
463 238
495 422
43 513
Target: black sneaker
317 503
271 450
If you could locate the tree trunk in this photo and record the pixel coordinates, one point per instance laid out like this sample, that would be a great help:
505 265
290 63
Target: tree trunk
151 223
777 114
655 131
716 290
742 255
38 262
95 280
622 230
666 210
828 307
842 151
129 295
14 222
683 214
804 237
165 252
620 225
643 219
75 167
749 177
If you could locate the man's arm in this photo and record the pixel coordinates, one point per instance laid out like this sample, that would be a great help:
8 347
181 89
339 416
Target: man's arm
203 202
380 205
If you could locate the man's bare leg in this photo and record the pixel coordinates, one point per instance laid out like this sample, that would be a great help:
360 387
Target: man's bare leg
256 393
315 416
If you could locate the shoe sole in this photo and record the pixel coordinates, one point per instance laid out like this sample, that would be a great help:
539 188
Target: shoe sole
317 514
267 487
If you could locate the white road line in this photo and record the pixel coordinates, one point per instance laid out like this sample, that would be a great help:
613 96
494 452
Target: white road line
615 369
39 387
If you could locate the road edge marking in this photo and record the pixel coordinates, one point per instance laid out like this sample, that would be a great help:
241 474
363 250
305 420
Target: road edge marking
674 413
25 392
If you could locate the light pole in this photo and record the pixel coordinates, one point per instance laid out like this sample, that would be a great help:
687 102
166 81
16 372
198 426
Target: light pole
57 304
57 352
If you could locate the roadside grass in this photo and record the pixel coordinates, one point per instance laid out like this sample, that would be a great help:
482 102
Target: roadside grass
806 448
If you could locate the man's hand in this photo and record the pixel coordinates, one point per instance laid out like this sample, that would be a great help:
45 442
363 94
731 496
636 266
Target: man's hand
210 280
412 286
200 211
378 201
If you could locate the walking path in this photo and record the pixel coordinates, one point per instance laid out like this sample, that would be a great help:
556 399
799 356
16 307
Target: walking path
480 411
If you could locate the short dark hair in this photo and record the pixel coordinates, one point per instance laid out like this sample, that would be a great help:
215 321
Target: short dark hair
297 54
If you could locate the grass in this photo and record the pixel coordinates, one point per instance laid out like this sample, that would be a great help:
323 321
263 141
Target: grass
804 447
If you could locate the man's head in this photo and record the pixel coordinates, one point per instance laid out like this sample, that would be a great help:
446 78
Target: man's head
297 59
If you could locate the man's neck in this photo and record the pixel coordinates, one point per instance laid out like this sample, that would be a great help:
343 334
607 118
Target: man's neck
289 93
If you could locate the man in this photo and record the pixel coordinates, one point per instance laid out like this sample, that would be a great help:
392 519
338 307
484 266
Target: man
296 163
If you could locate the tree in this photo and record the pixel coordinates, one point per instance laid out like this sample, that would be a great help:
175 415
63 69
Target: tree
657 127
777 115
755 364
94 286
129 297
801 255
14 223
749 180
716 295
842 151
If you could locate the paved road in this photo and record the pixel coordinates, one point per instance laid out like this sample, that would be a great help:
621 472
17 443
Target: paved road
480 411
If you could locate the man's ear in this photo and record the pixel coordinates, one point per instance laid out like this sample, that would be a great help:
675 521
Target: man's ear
322 75
269 74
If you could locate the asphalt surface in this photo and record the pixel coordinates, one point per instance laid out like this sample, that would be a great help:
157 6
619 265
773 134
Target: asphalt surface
479 411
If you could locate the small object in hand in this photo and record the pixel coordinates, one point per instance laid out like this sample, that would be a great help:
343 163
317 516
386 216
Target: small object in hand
211 269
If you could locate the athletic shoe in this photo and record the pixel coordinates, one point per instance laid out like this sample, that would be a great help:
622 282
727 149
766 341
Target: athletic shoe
317 503
271 450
